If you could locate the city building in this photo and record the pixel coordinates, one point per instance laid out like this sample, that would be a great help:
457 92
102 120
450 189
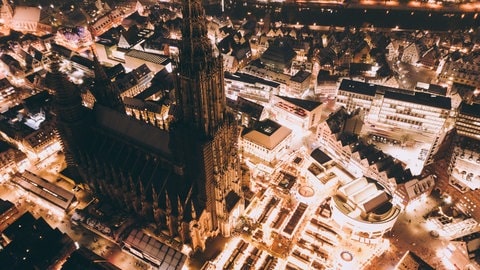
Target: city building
155 62
413 190
152 105
299 83
134 82
461 252
248 112
31 243
459 72
153 250
39 186
399 115
463 166
279 55
184 180
6 15
338 138
77 38
107 21
250 87
29 126
295 112
267 141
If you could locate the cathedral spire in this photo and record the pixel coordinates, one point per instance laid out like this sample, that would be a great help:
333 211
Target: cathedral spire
105 91
200 91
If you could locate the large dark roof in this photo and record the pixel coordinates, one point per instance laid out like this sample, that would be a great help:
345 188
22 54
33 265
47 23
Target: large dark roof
82 61
320 156
300 76
35 102
231 200
267 127
239 76
34 244
422 99
279 52
308 105
5 206
358 87
336 120
133 130
471 110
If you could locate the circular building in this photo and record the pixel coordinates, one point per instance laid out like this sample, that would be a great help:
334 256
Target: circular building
363 208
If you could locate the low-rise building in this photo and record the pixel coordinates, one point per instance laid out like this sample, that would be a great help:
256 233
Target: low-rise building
134 82
301 113
299 83
247 112
268 141
459 72
250 87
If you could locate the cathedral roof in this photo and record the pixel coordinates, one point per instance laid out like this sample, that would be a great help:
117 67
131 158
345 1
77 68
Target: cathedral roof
131 129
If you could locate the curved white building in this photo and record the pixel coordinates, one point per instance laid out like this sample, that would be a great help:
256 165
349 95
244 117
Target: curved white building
363 208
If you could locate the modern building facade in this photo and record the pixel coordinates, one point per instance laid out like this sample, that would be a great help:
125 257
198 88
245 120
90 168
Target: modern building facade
399 115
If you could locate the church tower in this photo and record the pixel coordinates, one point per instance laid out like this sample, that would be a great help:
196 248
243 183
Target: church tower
105 91
205 135
71 115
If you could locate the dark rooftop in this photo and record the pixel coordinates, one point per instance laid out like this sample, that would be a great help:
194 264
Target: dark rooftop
136 131
5 206
358 87
308 105
411 260
422 99
34 244
300 76
238 76
4 146
83 61
320 156
231 200
267 127
278 53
